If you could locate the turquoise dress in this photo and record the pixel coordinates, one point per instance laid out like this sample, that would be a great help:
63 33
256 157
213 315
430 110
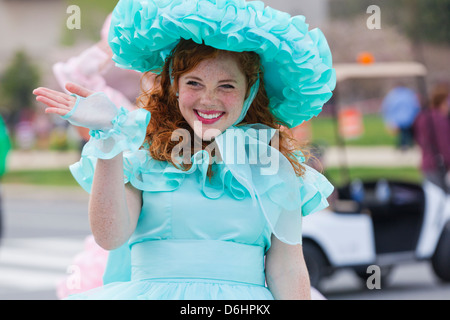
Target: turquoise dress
200 238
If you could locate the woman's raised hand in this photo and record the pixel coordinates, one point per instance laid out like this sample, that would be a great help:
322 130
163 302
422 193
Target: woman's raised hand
60 103
92 110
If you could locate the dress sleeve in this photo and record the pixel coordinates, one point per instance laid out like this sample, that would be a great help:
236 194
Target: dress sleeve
286 217
126 135
314 191
271 181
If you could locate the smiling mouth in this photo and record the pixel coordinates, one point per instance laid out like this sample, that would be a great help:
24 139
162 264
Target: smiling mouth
210 115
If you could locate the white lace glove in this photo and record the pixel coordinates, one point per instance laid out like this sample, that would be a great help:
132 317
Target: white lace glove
95 112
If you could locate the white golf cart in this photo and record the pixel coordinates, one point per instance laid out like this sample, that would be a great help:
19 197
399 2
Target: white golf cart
393 222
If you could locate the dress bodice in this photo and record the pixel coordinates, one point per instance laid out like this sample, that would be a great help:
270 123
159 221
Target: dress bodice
185 214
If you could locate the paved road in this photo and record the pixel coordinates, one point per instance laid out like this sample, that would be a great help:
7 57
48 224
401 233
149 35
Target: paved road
413 281
46 227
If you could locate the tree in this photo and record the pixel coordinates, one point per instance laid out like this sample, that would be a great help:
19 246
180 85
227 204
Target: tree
16 87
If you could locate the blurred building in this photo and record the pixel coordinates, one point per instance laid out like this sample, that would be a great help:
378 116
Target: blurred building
35 27
315 11
31 25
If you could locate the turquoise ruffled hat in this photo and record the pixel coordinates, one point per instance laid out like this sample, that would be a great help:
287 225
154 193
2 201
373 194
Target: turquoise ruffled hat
299 78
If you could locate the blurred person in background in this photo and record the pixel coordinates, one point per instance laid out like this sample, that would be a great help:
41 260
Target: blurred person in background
400 109
94 69
5 146
432 132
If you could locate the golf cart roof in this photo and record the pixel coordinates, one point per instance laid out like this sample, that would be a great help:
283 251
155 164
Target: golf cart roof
346 71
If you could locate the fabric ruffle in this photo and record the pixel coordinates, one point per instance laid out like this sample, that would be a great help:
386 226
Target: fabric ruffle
314 191
127 134
248 166
175 289
299 78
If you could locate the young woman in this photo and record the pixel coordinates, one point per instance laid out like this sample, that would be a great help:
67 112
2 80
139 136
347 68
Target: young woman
214 192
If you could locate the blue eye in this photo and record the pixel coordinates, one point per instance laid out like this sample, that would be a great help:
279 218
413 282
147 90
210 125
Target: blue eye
193 83
227 86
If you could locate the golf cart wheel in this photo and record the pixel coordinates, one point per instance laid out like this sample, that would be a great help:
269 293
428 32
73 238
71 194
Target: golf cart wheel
315 262
441 258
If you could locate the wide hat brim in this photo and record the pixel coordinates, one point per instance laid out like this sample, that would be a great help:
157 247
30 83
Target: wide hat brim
297 62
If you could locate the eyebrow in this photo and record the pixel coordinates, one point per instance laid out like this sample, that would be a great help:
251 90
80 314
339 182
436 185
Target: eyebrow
228 80
199 79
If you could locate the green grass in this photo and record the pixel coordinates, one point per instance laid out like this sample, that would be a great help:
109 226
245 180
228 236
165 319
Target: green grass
406 174
375 132
61 177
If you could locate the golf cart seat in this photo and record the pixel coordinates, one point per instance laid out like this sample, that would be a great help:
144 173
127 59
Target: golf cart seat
397 220
396 209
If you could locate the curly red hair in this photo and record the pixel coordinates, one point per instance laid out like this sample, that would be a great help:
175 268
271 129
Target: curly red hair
161 101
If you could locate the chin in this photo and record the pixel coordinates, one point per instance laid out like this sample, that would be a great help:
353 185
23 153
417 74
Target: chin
209 134
205 133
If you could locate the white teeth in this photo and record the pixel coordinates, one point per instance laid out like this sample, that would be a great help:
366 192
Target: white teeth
209 116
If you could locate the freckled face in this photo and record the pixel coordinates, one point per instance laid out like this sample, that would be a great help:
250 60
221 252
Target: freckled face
212 95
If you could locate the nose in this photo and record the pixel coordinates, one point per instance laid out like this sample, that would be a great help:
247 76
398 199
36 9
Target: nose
207 98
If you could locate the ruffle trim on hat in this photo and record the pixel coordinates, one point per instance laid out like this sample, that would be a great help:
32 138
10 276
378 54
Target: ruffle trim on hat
299 77
282 196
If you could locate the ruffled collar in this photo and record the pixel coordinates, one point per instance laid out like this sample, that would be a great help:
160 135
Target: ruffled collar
245 164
